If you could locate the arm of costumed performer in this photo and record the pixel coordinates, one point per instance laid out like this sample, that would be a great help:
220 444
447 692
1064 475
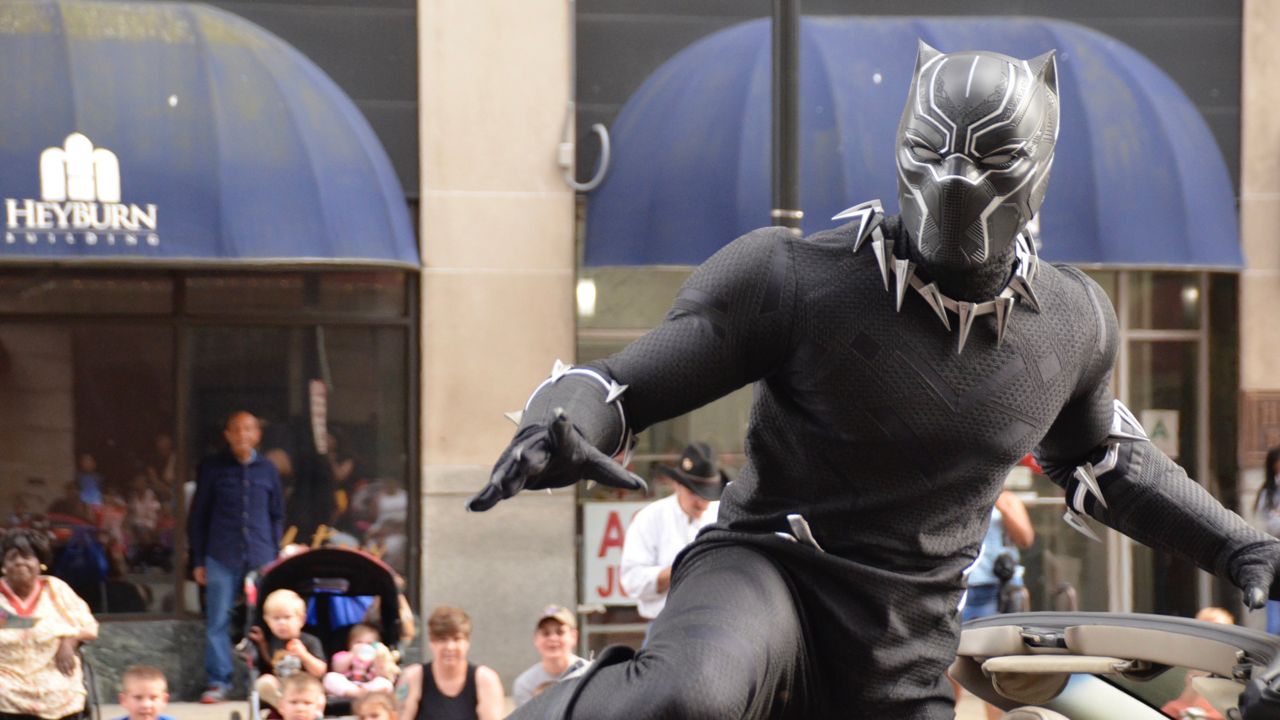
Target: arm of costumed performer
729 326
1100 455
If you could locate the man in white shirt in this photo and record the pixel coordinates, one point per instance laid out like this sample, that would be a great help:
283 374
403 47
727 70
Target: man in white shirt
554 637
661 530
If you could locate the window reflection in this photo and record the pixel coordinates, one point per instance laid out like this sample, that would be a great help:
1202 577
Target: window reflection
89 447
1162 387
1164 300
332 406
90 444
258 293
46 293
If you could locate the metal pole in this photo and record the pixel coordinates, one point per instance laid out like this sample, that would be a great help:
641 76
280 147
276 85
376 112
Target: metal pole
786 115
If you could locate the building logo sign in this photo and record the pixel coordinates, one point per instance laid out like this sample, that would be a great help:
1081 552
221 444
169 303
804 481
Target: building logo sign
79 203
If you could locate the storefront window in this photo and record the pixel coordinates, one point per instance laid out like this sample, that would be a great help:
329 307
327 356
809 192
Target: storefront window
1064 570
115 385
331 401
280 293
51 292
1164 300
1163 396
87 448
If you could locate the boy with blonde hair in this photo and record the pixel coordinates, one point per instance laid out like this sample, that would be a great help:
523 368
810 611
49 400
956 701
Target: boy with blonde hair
302 697
144 693
287 651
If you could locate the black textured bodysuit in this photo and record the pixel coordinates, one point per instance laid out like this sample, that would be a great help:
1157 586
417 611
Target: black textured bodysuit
889 443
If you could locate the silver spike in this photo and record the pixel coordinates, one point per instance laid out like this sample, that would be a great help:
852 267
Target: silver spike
902 270
1004 308
1108 461
1085 476
849 212
1122 436
558 370
628 442
1033 265
615 391
864 219
860 238
877 246
865 209
966 312
1078 524
514 416
1021 286
933 296
800 528
1120 417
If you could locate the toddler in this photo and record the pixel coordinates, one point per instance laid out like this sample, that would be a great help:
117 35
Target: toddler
288 650
302 697
366 666
375 706
144 693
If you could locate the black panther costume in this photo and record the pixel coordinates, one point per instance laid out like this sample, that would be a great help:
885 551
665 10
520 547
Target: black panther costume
901 365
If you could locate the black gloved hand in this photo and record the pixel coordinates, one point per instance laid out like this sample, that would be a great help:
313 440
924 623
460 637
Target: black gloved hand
1253 569
550 456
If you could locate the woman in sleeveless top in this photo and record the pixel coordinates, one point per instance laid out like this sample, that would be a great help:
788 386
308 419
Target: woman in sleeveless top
449 687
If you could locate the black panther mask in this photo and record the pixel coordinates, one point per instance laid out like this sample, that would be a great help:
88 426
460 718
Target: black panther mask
974 149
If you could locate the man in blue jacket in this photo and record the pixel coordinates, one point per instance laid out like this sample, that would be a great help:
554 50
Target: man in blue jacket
235 524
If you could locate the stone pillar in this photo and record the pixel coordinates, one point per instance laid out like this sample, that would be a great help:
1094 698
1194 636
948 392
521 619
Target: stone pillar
1259 230
497 306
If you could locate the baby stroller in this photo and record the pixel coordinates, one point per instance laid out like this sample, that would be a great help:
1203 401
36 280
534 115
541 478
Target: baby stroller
338 584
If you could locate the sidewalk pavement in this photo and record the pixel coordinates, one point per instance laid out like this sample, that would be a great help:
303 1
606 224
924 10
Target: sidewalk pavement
969 709
190 711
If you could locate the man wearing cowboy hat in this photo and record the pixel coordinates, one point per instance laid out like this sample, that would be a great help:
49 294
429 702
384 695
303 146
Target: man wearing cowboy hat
663 528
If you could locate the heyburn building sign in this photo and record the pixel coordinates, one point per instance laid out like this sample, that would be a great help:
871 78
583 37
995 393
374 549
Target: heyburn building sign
79 202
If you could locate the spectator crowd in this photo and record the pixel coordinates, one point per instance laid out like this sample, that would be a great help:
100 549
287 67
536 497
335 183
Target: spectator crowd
101 528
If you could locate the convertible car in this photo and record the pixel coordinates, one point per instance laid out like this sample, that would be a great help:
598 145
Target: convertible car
1109 666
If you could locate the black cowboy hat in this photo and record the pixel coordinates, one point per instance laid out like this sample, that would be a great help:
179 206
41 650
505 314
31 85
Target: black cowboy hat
698 471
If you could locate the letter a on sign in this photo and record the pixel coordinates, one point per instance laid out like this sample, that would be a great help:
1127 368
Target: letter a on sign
614 535
1162 429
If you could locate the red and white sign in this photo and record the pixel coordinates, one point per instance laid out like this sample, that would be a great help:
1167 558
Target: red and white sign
604 528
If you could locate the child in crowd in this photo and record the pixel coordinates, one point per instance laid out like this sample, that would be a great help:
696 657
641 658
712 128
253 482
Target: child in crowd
375 706
144 693
288 651
365 666
302 697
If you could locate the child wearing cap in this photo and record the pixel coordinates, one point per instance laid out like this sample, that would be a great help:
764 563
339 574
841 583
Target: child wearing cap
554 637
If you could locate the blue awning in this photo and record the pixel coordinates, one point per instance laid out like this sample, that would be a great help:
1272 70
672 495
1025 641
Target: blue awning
174 133
1138 179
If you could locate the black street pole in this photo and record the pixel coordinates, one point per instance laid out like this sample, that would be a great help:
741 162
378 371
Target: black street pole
786 114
